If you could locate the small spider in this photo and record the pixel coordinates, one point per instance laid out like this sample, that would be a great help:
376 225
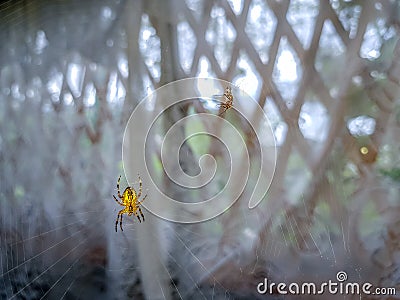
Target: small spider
131 202
229 101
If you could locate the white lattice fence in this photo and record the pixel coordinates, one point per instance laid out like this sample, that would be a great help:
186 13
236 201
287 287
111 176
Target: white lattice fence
343 43
309 64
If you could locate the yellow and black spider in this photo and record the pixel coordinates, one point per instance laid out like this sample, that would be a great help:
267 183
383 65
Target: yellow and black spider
228 103
131 202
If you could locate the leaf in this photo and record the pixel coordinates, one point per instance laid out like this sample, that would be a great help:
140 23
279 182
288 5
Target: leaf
393 173
199 143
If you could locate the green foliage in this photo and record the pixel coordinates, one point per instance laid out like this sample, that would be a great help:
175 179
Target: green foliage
370 221
322 210
19 191
157 164
199 143
358 102
393 173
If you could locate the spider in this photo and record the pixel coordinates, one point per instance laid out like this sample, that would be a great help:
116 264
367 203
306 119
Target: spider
131 202
229 101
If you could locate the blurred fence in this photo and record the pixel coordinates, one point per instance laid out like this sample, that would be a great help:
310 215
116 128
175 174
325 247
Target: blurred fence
326 73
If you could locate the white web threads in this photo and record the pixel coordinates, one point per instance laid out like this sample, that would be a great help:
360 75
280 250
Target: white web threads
208 183
142 145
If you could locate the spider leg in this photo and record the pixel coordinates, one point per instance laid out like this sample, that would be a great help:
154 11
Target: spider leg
140 187
218 96
225 105
120 213
222 112
140 202
119 179
120 223
229 98
141 213
118 201
116 223
137 215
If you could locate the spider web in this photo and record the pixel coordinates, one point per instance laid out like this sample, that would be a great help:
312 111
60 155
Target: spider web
61 131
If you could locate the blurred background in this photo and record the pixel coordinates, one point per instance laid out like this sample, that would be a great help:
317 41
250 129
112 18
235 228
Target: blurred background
327 74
